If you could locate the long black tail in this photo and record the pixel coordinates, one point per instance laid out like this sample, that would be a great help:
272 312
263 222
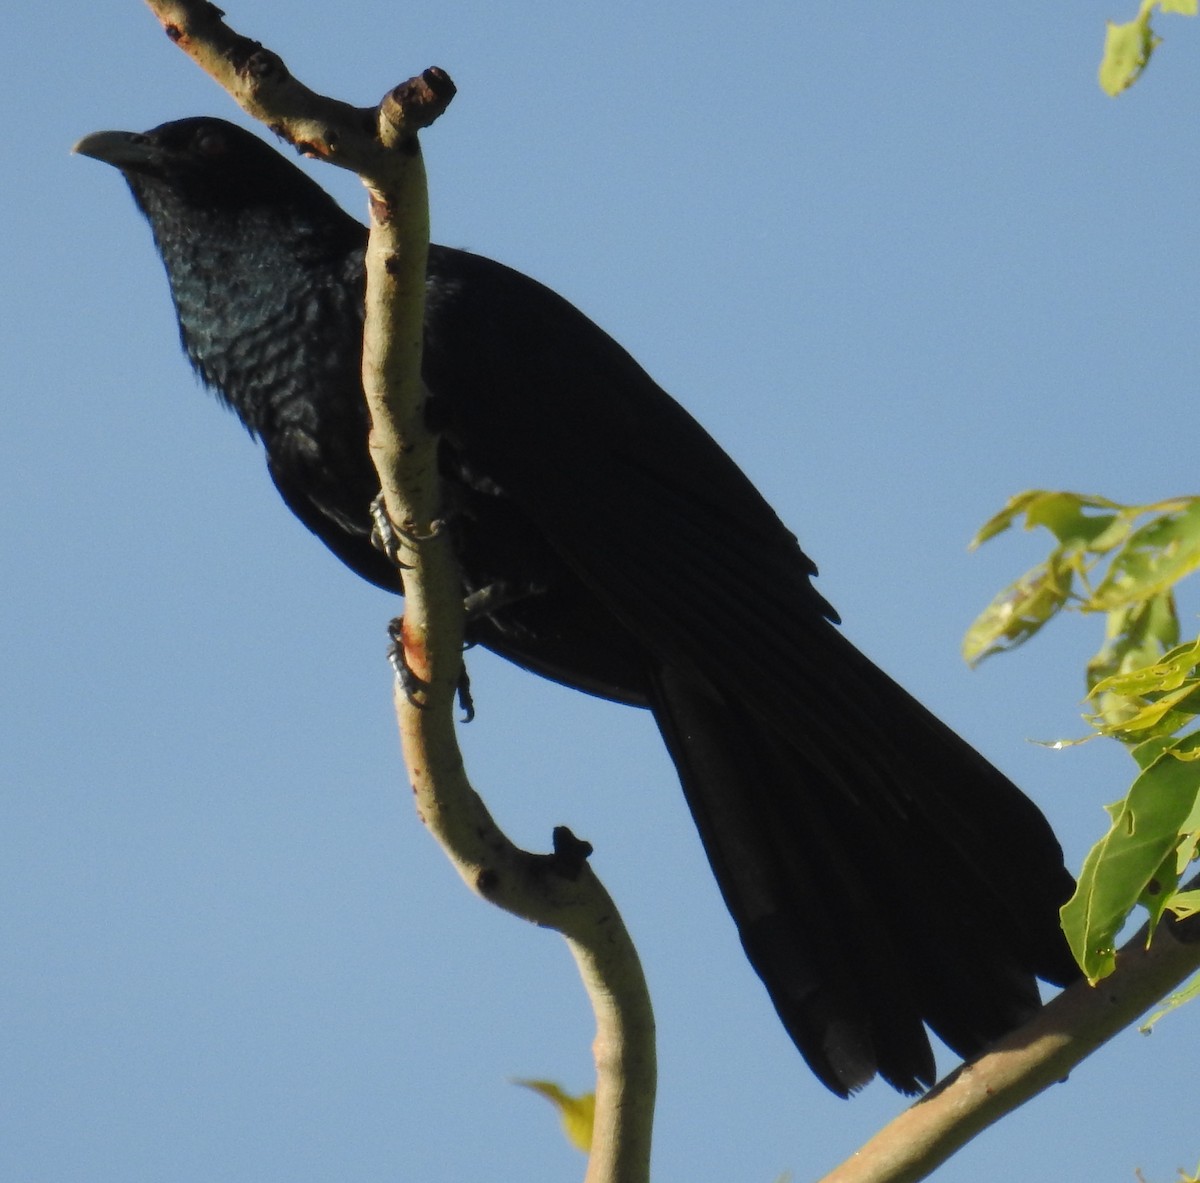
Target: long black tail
881 873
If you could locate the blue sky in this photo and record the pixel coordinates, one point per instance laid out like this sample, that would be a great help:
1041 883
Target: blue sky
903 261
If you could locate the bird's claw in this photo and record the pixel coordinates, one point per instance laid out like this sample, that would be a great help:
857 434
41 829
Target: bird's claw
465 702
392 539
415 687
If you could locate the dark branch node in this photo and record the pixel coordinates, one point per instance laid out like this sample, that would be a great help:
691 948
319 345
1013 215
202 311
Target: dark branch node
261 65
415 104
487 881
174 33
440 84
570 853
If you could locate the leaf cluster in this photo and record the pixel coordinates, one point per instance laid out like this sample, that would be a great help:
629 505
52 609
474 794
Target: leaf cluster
1123 561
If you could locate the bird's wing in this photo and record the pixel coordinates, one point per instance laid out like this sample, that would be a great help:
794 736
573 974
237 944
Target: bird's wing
651 514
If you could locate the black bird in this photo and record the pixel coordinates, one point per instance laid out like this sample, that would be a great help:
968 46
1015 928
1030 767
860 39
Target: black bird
881 873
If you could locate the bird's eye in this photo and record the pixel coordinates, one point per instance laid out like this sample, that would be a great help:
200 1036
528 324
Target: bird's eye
210 143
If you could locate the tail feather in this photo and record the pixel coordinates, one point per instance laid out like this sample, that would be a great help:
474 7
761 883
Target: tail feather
867 919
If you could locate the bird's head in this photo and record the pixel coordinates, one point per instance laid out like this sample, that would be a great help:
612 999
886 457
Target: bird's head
252 247
202 162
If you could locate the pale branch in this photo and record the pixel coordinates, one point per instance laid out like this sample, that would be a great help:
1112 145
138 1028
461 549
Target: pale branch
556 891
259 82
1027 1061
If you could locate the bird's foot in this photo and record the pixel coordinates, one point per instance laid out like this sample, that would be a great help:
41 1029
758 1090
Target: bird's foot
392 539
415 687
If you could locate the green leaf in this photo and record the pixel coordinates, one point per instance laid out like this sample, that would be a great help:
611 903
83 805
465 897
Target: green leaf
1063 514
1122 865
1147 753
1189 847
1066 516
1160 890
1183 7
578 1114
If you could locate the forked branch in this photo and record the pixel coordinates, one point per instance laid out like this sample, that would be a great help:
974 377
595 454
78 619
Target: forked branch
558 890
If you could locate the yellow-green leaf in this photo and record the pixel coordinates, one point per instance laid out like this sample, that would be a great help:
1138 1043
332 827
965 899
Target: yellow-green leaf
1158 697
1004 520
1016 613
1155 558
1184 903
1149 679
1189 992
1067 516
1127 50
1162 716
578 1114
1170 672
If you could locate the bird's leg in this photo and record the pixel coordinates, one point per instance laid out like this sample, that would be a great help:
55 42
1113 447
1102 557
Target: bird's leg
482 602
415 686
391 539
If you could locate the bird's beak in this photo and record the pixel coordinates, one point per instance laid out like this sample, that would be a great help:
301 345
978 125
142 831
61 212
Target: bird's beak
126 150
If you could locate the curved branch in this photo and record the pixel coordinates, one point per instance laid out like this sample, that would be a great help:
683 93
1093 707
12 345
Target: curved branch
556 891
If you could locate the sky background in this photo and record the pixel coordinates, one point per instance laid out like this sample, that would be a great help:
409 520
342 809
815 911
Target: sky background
902 260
